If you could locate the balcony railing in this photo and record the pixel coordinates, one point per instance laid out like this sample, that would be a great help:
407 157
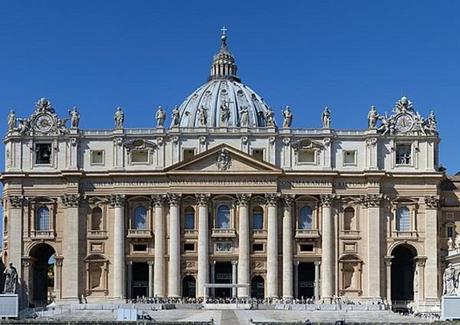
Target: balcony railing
307 233
405 234
190 233
223 232
139 233
42 234
349 234
96 234
259 233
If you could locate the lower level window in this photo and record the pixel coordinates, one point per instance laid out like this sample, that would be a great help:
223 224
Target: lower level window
306 248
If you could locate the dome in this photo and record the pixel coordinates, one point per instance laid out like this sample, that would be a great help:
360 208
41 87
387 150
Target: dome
224 101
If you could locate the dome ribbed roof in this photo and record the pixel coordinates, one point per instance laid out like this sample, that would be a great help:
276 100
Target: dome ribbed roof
223 101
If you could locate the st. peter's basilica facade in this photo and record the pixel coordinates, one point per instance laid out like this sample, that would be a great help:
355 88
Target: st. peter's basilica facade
226 195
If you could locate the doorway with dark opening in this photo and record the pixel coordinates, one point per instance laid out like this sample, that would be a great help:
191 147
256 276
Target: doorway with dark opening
402 273
306 280
140 280
41 288
223 274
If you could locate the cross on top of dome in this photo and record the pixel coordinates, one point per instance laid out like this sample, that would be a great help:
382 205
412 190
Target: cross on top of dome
224 65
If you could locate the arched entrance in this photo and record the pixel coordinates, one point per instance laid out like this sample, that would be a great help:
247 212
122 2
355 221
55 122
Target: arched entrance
258 287
402 273
42 274
189 287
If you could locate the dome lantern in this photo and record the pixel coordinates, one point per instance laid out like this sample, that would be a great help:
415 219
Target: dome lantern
223 65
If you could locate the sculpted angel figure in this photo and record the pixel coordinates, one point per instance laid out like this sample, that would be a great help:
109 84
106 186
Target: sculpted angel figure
270 118
372 118
244 117
119 118
24 125
202 116
74 118
160 116
287 117
11 121
431 123
326 118
175 116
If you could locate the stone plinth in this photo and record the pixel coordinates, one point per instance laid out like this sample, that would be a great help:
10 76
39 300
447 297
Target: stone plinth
9 305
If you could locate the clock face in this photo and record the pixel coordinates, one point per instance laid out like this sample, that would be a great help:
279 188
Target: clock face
44 122
404 123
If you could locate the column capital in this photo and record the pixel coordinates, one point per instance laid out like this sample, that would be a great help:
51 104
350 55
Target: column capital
432 201
372 200
174 199
117 201
243 199
150 263
234 262
16 201
420 260
288 199
388 260
296 263
271 199
158 200
328 199
203 199
317 263
59 260
71 200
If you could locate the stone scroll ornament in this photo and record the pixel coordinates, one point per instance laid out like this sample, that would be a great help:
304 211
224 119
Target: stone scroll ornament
11 279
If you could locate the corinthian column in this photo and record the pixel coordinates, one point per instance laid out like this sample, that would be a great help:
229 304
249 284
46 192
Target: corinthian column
431 247
203 248
119 286
71 264
15 206
243 245
174 246
272 246
372 202
159 262
287 247
327 249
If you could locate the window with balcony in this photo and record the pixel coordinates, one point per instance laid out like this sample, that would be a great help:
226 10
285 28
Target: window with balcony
403 154
257 218
403 219
306 218
223 217
189 218
42 219
140 218
96 219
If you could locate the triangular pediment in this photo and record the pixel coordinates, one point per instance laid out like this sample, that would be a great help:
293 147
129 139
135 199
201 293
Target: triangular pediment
223 159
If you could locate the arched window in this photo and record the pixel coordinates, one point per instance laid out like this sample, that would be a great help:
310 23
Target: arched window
140 218
43 219
305 220
257 218
349 221
96 219
223 217
189 218
403 219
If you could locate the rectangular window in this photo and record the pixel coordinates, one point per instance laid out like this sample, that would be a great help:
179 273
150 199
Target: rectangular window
403 154
306 248
450 231
306 156
189 154
258 154
189 247
97 157
349 157
43 153
189 221
139 156
257 247
139 248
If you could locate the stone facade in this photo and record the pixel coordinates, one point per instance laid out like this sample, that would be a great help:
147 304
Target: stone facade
224 195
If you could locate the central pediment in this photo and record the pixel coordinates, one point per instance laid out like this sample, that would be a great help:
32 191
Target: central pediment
223 159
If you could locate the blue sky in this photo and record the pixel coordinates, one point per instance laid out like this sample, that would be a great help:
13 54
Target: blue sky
348 55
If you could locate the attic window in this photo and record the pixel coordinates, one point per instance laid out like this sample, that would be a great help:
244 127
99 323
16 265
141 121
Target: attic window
307 156
97 157
189 154
43 153
349 157
140 156
258 154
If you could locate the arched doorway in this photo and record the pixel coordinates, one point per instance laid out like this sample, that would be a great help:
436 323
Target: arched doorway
42 274
402 273
258 287
188 287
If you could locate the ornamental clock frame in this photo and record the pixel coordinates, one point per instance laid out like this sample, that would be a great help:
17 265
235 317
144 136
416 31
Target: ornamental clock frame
43 122
404 122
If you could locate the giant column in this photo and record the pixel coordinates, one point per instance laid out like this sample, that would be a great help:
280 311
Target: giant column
243 245
272 246
159 262
431 249
287 247
174 246
374 246
203 245
119 284
15 231
327 249
71 248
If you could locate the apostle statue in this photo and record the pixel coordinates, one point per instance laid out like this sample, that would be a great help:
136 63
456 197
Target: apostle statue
175 116
224 112
457 241
287 117
160 116
450 244
430 124
326 118
119 118
11 121
202 115
449 281
74 118
270 118
372 118
11 279
244 116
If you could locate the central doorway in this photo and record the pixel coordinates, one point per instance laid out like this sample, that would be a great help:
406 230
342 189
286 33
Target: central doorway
402 273
257 287
306 280
42 274
140 282
223 274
